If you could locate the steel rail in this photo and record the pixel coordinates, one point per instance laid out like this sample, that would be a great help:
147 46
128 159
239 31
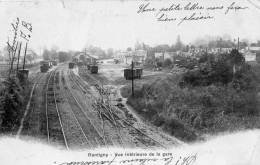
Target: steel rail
81 109
78 123
53 74
57 110
35 85
127 123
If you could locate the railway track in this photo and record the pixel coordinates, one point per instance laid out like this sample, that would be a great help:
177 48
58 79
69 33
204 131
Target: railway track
112 116
105 131
54 128
89 129
30 106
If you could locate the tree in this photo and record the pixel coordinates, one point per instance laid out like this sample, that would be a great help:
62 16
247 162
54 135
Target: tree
46 54
97 51
167 63
11 101
110 52
236 59
31 56
138 46
64 56
243 45
54 54
50 54
187 48
82 58
129 49
179 45
258 43
161 48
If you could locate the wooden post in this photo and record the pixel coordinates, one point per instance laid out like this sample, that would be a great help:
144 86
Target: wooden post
238 44
19 56
132 78
13 56
24 55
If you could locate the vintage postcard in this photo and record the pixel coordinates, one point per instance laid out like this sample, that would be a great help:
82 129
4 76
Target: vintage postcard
134 82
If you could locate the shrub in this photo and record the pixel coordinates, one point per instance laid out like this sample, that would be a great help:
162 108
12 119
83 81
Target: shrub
11 100
167 63
205 103
222 70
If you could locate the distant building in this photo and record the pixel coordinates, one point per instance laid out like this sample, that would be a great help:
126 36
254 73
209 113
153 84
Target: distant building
120 55
139 55
93 58
169 55
128 56
253 48
249 56
159 56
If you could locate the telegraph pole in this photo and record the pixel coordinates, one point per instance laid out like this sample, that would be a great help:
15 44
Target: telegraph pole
13 56
24 55
220 44
132 78
238 44
19 56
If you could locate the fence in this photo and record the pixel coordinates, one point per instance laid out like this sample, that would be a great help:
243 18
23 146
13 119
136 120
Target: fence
4 69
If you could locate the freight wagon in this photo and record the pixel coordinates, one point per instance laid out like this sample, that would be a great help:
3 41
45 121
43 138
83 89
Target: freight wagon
80 63
93 69
22 75
54 63
88 66
75 60
46 63
71 65
45 66
137 73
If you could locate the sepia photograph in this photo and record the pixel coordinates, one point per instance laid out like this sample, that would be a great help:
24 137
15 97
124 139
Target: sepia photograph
135 82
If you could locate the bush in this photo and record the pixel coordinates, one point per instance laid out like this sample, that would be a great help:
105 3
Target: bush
167 63
222 70
185 62
206 108
11 101
64 56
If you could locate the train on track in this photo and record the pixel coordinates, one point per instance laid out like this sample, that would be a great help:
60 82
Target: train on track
71 65
85 61
130 74
47 64
93 69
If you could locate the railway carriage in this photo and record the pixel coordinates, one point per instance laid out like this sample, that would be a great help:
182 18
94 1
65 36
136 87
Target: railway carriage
93 69
137 73
45 66
54 62
71 65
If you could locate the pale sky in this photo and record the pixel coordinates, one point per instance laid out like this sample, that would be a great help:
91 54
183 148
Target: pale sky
73 24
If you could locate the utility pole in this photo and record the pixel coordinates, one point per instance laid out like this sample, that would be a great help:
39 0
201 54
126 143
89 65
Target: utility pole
132 78
24 55
220 44
208 56
238 44
13 56
20 47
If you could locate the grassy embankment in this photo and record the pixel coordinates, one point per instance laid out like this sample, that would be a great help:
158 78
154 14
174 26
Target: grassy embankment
191 110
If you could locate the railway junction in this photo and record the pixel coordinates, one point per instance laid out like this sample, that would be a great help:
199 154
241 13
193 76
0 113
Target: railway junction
73 108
